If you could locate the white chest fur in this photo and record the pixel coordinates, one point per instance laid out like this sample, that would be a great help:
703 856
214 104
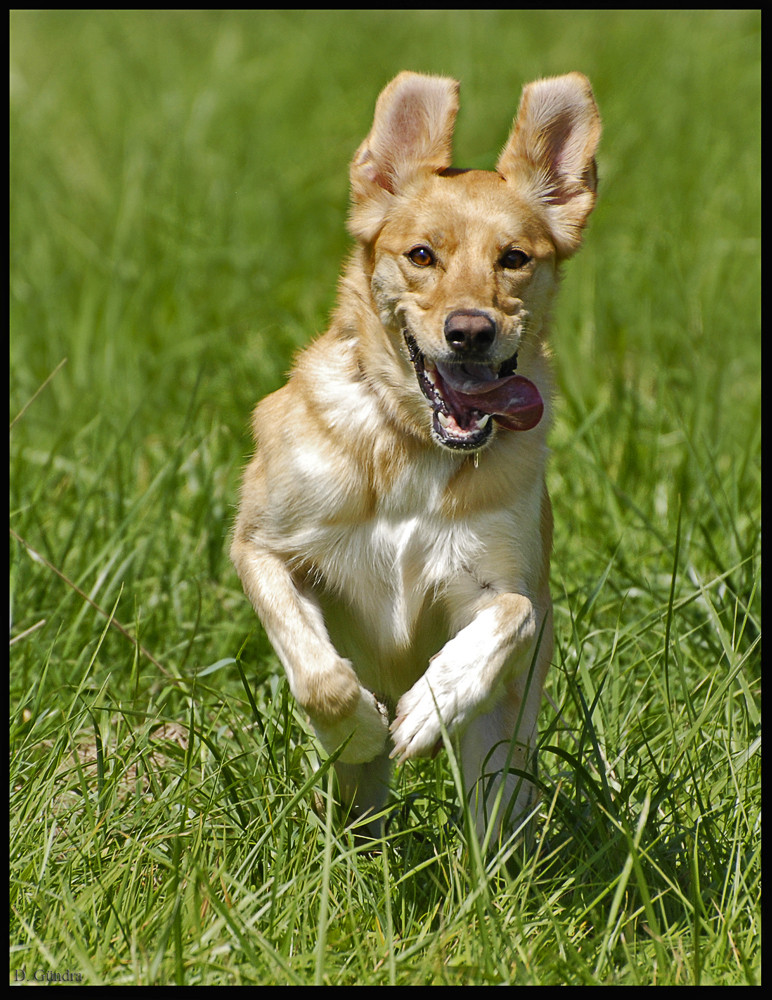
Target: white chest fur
384 580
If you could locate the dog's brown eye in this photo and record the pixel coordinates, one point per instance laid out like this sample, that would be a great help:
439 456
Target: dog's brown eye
420 256
514 259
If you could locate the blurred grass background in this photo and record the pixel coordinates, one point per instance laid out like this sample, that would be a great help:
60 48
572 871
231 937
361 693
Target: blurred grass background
178 199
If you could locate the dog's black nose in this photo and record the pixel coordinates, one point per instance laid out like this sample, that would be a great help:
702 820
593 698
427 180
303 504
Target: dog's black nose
469 331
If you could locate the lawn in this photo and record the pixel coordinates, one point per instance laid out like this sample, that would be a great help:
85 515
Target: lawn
178 200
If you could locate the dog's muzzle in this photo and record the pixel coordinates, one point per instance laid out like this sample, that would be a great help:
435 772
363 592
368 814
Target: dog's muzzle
467 397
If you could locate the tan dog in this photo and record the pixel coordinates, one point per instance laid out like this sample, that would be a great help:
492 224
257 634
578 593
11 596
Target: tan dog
394 531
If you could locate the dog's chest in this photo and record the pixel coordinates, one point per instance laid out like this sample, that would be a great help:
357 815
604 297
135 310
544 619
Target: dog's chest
390 568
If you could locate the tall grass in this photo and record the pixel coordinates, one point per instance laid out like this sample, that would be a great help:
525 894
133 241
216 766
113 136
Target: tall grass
179 190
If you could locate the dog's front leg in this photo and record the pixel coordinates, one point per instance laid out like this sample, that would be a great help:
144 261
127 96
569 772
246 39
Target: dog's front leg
322 682
466 676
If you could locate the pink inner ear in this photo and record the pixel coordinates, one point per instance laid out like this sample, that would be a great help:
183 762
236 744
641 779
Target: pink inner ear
551 149
557 128
369 170
412 128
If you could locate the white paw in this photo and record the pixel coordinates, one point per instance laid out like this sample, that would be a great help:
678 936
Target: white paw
453 689
416 730
368 727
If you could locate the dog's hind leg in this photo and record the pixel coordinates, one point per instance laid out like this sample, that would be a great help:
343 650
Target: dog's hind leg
498 751
363 790
492 763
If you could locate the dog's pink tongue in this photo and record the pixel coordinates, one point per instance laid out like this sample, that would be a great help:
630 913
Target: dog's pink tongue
514 400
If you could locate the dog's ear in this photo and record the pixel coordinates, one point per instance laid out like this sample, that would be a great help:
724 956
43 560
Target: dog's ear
412 131
551 149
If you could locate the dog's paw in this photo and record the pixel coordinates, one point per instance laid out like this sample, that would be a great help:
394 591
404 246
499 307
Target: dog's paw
460 681
368 727
417 730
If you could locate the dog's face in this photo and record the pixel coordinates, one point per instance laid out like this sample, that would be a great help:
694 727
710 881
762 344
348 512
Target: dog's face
463 270
463 264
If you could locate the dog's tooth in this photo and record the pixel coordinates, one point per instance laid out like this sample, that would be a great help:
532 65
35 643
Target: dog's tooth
483 421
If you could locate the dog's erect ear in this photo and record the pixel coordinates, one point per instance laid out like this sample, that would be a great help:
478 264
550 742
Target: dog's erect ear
552 150
412 131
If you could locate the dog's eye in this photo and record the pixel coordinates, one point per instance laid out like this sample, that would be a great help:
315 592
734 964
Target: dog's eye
514 259
420 256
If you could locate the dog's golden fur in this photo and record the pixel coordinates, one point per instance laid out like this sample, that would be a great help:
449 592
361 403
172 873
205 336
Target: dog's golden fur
394 530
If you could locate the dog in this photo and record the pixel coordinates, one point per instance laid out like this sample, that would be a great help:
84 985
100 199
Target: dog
394 527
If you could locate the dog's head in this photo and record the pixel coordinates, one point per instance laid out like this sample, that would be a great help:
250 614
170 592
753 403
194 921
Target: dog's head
463 264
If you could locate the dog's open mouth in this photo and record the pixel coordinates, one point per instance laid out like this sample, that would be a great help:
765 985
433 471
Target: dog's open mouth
466 398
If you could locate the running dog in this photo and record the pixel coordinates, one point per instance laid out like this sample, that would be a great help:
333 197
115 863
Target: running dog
394 529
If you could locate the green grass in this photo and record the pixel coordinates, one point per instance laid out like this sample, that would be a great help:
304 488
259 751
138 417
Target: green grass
179 190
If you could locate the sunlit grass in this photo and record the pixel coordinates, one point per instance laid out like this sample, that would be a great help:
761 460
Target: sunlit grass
179 192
